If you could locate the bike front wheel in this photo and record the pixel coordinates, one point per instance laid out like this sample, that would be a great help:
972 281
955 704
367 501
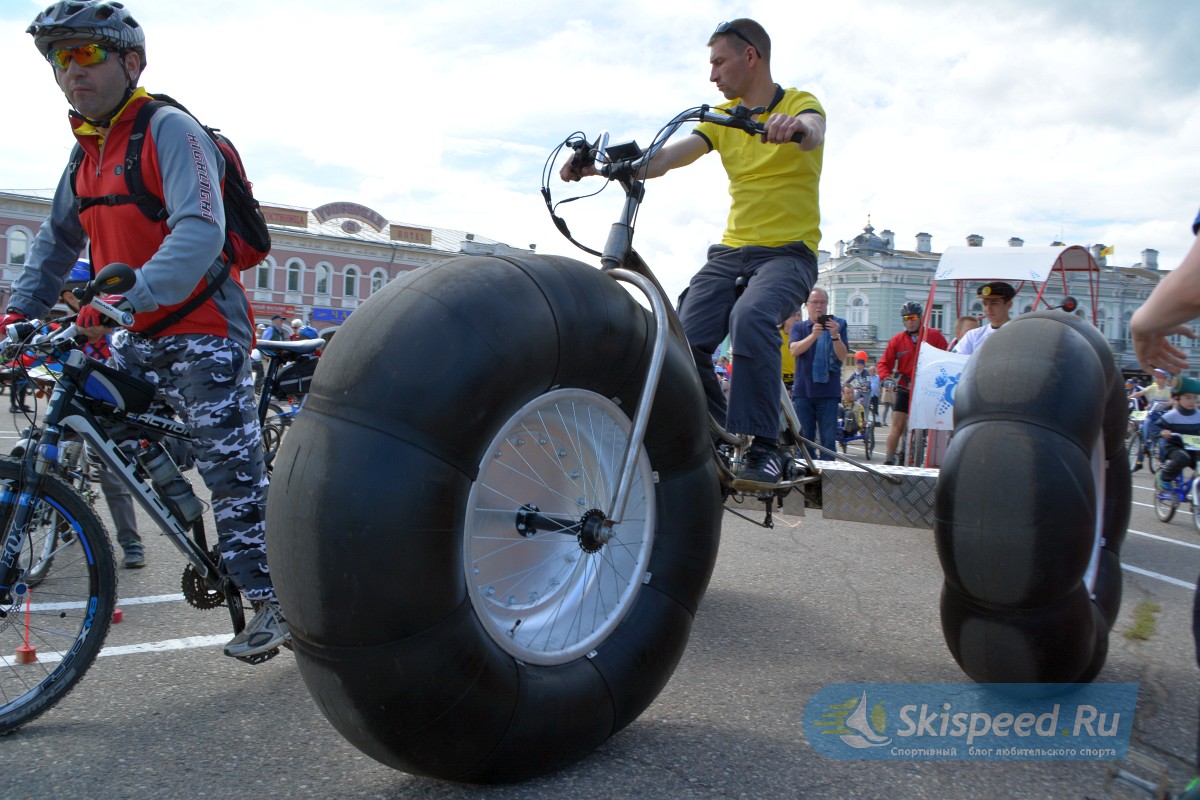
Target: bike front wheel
517 632
1135 451
1165 502
52 631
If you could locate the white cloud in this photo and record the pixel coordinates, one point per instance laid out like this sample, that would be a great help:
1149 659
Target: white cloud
1013 118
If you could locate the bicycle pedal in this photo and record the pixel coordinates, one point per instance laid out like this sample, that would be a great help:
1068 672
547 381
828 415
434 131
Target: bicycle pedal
259 658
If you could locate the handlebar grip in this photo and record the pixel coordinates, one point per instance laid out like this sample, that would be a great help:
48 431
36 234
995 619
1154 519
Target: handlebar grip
797 137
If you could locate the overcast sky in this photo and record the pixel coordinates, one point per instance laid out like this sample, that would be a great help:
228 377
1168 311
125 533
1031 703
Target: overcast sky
1076 120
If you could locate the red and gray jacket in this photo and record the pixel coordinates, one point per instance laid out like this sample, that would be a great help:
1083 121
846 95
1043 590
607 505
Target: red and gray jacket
175 258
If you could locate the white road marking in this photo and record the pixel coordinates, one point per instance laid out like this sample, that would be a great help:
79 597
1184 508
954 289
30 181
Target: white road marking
1165 539
186 643
1166 578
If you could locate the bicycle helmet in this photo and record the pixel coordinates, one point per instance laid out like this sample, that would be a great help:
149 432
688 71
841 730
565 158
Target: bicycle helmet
910 308
1185 385
861 355
103 21
80 274
308 332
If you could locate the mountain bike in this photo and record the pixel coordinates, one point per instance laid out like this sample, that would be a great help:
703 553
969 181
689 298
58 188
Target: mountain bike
57 599
1183 489
536 503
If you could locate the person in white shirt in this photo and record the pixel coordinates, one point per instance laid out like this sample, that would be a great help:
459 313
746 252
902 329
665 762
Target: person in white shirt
997 298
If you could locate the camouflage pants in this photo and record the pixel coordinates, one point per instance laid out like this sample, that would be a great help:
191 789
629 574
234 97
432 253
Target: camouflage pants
207 380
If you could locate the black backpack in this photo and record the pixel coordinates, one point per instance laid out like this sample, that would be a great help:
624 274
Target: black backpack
247 238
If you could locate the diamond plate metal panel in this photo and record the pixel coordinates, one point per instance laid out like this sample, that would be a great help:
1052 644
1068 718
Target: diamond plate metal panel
851 494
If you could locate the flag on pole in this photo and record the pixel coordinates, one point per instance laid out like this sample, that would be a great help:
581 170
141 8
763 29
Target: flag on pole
1106 251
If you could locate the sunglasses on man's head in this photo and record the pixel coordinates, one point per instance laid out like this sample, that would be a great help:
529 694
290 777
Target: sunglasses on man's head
729 27
85 55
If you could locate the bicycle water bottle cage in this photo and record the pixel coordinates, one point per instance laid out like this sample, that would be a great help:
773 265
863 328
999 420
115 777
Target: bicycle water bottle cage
108 386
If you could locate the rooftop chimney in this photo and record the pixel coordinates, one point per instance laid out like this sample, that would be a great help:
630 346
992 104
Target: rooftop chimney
924 243
1150 258
1015 242
889 239
974 240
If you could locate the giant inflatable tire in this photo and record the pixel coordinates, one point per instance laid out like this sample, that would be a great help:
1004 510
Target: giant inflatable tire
450 615
1032 504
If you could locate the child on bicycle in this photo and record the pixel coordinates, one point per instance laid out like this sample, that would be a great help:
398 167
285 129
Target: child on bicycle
1182 420
851 414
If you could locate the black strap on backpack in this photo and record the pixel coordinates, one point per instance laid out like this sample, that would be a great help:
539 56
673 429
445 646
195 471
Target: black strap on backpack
149 205
191 305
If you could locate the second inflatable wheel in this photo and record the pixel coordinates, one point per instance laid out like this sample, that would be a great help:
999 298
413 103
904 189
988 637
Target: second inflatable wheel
1032 504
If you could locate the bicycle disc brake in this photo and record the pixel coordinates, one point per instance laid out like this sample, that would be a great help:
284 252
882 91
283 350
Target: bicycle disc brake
197 591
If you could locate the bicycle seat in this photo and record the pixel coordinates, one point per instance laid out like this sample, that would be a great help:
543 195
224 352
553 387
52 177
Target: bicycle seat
299 347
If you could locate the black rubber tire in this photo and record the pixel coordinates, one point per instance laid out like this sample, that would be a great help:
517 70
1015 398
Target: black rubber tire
368 508
83 575
1034 490
1165 503
1134 446
869 441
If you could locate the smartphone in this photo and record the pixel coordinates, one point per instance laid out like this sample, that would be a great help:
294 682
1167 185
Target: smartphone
821 320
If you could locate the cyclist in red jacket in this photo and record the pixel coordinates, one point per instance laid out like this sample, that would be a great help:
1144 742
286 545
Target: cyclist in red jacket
900 359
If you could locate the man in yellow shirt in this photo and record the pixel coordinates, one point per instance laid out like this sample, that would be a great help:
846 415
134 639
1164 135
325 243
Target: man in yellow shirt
770 242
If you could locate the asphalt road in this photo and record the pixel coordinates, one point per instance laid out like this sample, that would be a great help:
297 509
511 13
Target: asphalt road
812 602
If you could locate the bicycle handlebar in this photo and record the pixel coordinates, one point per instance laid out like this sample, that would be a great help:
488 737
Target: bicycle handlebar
622 163
114 278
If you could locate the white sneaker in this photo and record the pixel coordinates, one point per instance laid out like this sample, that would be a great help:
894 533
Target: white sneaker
266 631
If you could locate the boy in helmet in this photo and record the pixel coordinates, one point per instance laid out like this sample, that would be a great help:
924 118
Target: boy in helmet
1182 420
860 379
900 358
97 52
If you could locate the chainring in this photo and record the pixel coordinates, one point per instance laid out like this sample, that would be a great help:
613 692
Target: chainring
197 592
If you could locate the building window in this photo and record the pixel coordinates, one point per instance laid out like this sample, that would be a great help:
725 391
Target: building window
263 275
858 311
937 317
295 275
323 272
350 282
378 279
18 246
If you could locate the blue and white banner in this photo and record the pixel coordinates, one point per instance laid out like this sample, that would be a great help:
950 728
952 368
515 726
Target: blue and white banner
971 721
931 402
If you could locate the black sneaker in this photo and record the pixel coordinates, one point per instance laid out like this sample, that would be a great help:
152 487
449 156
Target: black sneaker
135 556
763 466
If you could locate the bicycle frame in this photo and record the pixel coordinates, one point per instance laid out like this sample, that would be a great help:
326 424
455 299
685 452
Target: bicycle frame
67 409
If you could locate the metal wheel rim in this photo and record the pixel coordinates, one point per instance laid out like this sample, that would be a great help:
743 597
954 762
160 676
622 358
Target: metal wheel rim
1165 506
1135 449
543 598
